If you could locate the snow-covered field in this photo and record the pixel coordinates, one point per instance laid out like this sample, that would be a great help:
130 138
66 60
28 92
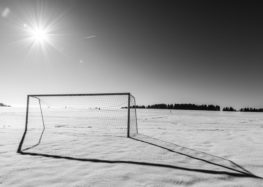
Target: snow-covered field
174 148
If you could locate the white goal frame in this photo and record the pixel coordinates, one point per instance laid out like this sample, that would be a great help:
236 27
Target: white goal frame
129 96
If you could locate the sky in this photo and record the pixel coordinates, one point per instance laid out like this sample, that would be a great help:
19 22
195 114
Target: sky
202 52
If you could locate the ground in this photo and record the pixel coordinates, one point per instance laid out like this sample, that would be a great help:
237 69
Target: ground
175 148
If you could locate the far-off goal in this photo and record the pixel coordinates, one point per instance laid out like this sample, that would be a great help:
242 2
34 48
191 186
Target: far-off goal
61 116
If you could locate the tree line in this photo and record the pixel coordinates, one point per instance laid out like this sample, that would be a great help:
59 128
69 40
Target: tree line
251 110
246 109
196 107
4 105
180 107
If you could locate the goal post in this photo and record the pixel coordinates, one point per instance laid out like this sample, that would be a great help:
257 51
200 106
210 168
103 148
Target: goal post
93 114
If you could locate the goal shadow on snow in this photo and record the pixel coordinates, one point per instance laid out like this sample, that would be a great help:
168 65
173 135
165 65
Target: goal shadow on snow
230 168
197 155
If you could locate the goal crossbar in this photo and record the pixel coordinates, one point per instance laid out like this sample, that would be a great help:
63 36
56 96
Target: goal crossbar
86 94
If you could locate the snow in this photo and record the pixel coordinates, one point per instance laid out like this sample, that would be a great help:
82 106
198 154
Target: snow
173 148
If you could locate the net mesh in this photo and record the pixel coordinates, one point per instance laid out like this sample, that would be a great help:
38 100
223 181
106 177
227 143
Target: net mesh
75 116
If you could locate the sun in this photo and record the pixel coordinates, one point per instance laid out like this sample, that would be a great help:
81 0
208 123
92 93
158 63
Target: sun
38 34
38 30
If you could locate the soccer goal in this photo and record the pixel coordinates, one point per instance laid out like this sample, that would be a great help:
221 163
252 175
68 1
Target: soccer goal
96 114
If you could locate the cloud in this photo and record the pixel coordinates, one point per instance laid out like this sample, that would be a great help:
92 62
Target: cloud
89 37
5 12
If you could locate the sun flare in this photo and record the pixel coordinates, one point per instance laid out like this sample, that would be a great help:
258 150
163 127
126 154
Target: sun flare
38 30
38 34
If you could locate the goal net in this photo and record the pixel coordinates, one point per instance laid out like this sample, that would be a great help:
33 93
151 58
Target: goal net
59 118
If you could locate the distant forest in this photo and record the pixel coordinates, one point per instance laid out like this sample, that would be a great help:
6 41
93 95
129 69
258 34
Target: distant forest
4 105
196 107
251 110
247 109
180 107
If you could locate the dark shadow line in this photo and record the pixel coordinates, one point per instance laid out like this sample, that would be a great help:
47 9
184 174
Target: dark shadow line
235 164
143 164
190 156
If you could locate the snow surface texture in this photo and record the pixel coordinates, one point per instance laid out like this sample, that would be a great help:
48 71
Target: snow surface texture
173 148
